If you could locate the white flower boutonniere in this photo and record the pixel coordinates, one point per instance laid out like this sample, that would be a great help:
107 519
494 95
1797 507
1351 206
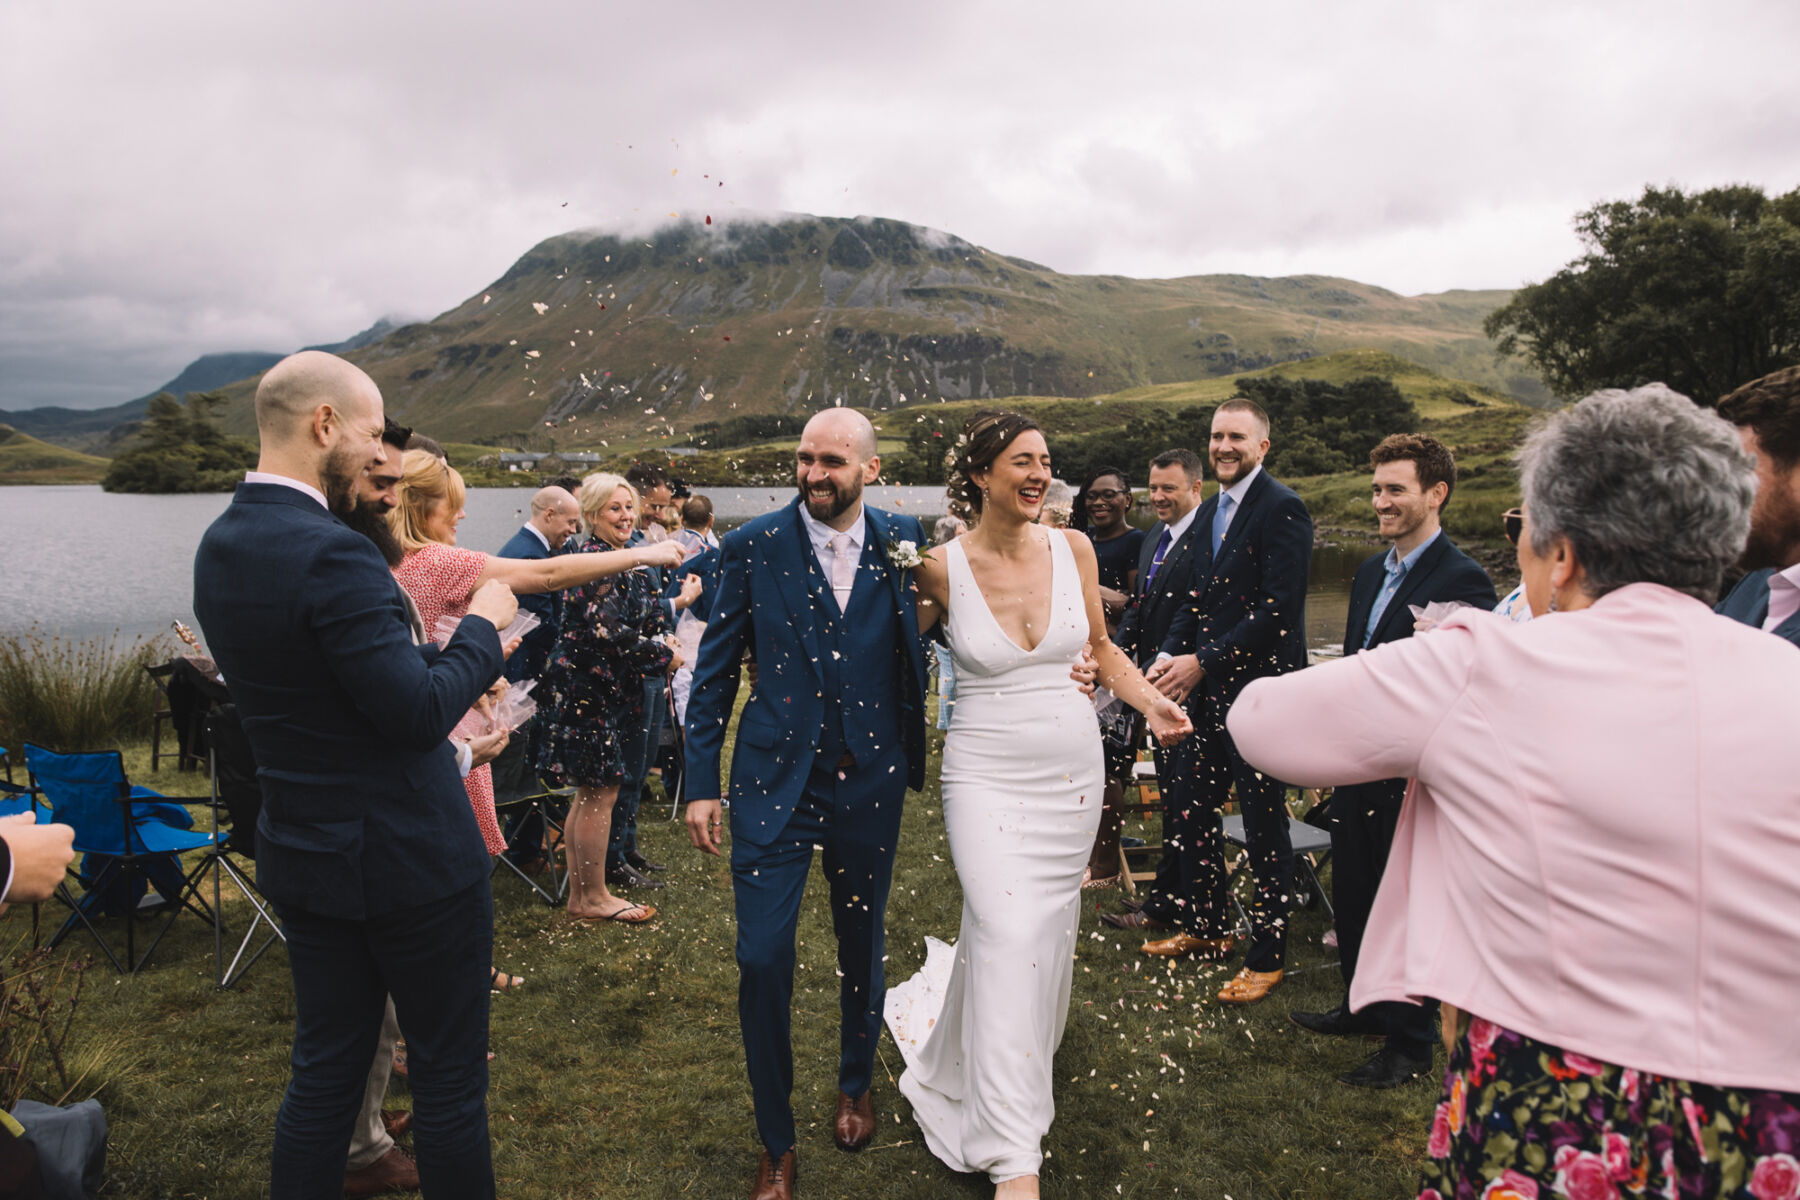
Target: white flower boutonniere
904 555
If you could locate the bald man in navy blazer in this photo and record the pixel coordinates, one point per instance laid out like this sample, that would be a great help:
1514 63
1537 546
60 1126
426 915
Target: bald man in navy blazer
367 845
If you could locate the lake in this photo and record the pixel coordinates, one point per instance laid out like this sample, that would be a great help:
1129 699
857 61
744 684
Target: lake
79 561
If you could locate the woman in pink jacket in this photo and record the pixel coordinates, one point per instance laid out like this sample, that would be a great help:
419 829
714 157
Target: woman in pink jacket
1598 863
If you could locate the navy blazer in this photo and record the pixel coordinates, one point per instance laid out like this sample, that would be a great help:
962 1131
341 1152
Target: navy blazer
1144 629
1442 573
706 565
763 604
1749 603
1245 613
364 810
528 661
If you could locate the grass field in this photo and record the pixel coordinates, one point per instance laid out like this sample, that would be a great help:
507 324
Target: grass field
619 1070
25 459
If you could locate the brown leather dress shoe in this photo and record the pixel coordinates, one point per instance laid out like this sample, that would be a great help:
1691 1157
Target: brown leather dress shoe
1133 922
854 1124
396 1121
774 1180
1247 986
394 1171
1182 945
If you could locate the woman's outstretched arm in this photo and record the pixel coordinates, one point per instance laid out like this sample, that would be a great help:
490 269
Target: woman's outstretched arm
527 575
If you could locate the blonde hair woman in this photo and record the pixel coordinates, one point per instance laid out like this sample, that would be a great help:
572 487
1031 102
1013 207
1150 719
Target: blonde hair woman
614 633
440 577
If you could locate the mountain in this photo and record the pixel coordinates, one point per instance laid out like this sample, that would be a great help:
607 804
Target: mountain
103 428
25 459
607 336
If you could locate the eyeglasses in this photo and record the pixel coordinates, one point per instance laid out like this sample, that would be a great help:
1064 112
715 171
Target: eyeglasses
1514 519
1107 495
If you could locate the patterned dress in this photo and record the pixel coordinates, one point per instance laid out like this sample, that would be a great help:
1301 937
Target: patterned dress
439 579
611 641
1525 1120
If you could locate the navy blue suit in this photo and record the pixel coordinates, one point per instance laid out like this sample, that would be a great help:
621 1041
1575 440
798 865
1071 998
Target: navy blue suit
527 662
1363 815
1244 617
1749 602
832 736
367 844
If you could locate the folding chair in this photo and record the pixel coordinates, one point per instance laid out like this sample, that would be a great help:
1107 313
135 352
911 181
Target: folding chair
1312 850
550 807
185 739
235 788
89 791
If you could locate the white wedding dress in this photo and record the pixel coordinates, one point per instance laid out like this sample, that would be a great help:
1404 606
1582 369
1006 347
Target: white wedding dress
1023 776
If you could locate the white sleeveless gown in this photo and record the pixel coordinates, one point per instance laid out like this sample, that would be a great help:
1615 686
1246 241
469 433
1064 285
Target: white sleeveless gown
1023 776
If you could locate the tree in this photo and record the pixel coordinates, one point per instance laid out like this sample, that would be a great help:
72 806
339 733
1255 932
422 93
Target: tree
180 448
1701 292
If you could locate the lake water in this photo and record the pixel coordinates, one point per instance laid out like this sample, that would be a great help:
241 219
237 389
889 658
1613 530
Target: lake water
79 561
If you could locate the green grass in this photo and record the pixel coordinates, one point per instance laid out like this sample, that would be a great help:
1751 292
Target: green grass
67 694
25 459
619 1070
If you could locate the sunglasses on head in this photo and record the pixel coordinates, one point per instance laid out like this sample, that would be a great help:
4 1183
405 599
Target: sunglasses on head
1514 519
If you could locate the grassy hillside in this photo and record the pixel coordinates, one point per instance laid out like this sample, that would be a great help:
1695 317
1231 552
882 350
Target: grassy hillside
597 337
24 459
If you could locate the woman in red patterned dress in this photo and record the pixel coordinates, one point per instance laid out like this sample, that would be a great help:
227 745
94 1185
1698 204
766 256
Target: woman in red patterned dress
440 577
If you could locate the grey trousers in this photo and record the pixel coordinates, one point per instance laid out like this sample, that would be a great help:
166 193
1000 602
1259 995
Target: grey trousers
370 1142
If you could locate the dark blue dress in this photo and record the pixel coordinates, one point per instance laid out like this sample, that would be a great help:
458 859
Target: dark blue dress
611 639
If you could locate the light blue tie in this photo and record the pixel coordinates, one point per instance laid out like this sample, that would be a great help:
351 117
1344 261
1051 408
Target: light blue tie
1221 516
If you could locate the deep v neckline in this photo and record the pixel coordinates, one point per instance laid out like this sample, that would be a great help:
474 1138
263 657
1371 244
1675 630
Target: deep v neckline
1050 605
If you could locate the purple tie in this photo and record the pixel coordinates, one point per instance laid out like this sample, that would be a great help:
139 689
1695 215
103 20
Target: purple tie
1162 548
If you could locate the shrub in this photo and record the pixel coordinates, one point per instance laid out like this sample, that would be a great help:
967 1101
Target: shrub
75 695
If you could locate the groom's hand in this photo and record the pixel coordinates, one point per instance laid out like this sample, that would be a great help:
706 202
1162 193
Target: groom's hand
1085 670
703 825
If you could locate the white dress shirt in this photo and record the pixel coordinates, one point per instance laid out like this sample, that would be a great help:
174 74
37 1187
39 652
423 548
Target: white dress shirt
539 535
821 534
287 481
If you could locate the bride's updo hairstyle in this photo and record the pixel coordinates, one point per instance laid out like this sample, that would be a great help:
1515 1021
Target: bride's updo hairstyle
984 439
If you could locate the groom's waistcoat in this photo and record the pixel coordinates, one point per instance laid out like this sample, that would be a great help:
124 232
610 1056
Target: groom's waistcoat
858 657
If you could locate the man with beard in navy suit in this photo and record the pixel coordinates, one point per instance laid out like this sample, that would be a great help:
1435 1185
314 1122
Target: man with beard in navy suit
1767 414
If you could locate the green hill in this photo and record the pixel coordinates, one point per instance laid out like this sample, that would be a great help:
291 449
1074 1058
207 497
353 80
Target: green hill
601 337
24 459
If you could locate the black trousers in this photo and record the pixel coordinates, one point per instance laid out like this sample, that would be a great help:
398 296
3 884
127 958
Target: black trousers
1191 886
434 959
1363 818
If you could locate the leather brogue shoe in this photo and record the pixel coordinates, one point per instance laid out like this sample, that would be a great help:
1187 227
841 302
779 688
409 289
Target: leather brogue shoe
1133 922
1247 986
1388 1067
394 1171
854 1124
626 876
774 1178
1182 945
642 865
1337 1022
396 1121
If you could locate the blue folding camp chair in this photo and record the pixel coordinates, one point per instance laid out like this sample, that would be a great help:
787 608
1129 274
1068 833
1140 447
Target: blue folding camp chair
89 791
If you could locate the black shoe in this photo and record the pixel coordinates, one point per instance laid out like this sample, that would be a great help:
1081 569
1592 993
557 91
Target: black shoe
1132 843
1339 1022
1388 1067
642 865
625 876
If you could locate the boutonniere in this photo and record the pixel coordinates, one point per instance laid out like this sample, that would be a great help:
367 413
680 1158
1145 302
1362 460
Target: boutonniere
904 555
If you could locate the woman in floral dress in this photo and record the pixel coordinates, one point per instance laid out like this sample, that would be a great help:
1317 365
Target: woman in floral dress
615 632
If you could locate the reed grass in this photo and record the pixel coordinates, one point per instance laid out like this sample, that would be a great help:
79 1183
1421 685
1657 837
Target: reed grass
73 694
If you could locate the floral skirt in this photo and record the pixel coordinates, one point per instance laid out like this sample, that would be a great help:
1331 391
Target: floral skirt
1524 1120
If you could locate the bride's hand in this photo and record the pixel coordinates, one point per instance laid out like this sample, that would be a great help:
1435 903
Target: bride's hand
1169 721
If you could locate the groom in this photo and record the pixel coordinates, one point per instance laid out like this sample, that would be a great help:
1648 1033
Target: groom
831 738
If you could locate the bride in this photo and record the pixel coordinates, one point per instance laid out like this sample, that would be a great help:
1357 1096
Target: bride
1022 781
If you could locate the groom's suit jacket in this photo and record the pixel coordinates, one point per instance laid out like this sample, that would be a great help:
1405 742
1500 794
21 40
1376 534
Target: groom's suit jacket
1749 603
1145 627
1244 613
769 602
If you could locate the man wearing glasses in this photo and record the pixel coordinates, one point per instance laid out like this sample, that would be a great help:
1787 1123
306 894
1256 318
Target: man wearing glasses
1414 474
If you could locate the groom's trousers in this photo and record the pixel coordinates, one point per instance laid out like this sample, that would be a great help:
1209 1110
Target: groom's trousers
853 815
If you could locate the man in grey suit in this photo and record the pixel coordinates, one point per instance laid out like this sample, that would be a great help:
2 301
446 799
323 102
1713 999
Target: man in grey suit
1767 414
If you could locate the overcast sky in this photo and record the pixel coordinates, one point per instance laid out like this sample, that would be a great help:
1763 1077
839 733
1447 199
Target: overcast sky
184 177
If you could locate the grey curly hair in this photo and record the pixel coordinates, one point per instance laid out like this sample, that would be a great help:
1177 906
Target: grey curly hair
1647 486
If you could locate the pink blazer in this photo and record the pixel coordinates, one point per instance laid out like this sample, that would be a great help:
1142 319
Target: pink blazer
1602 846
